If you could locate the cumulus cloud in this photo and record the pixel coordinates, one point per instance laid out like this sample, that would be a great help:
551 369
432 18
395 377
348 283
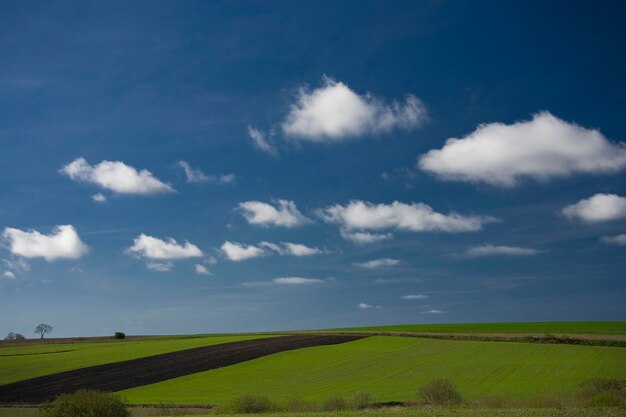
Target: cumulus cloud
378 263
543 148
116 176
62 243
598 208
154 248
201 270
414 297
296 281
240 252
414 217
614 240
487 250
196 175
282 213
260 142
333 113
293 249
159 266
365 306
99 198
363 238
8 274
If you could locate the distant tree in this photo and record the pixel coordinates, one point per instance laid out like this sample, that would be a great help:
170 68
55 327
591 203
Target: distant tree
43 328
120 335
10 337
19 336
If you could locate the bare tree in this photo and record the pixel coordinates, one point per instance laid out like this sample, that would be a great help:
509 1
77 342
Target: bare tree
43 328
10 337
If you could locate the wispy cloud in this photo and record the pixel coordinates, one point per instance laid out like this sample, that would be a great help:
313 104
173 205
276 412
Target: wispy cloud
614 240
296 281
260 142
489 250
283 213
378 263
365 306
195 175
414 297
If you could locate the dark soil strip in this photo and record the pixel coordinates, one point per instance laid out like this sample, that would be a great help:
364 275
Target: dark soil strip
128 374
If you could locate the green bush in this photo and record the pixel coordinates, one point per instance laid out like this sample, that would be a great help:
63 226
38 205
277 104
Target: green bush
296 405
361 400
439 392
334 404
245 404
602 392
120 335
86 403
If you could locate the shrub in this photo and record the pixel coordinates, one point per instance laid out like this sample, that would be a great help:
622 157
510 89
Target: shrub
120 335
297 405
334 404
439 392
19 336
86 403
602 392
361 400
245 404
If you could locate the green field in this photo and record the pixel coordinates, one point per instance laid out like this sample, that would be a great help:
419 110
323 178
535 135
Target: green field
393 368
18 362
572 327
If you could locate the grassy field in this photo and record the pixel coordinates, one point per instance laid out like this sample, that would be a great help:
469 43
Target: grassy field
532 412
18 362
573 327
393 368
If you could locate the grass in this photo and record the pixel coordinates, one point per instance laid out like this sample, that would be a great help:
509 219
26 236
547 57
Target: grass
393 369
571 327
23 361
461 412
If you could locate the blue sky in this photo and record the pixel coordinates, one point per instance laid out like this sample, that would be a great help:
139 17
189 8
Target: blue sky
197 167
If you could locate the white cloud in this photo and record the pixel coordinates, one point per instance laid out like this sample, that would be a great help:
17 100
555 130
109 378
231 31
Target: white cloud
363 238
239 252
378 263
99 198
8 274
62 243
197 176
283 213
116 176
159 266
487 250
260 142
414 217
432 311
364 306
333 112
542 148
296 281
614 240
155 248
598 208
202 270
293 249
17 264
414 297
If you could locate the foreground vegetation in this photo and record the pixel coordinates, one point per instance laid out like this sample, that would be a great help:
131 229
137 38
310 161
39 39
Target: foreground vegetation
573 327
394 368
23 361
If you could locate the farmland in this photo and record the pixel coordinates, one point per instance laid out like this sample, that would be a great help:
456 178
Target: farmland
393 368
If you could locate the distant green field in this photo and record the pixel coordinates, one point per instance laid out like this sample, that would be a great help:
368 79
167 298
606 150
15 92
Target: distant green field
572 327
393 368
37 359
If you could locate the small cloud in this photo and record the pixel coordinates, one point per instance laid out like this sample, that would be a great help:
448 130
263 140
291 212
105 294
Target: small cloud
614 240
296 281
414 297
364 306
240 252
598 208
291 249
260 142
154 248
488 250
99 198
159 266
116 176
195 175
284 213
62 243
378 263
8 274
17 264
364 238
202 270
432 311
